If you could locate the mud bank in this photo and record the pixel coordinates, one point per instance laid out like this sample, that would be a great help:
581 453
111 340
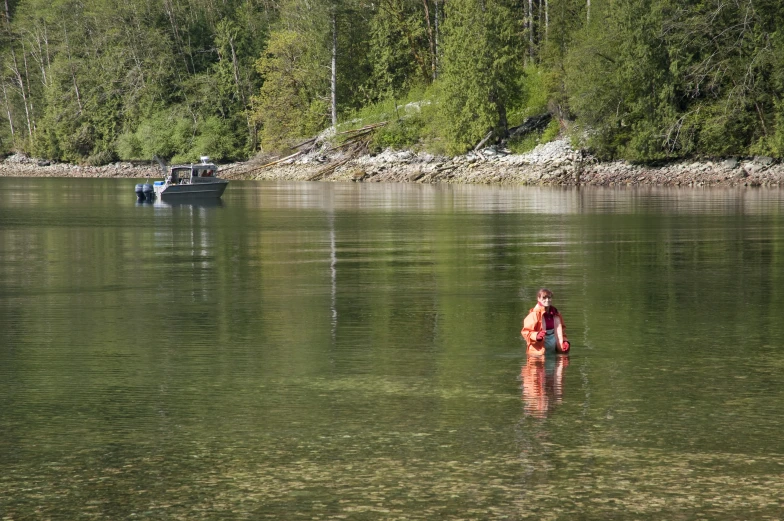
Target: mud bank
552 164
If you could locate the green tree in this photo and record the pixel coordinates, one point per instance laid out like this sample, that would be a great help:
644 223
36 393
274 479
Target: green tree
482 69
288 105
727 58
402 48
619 82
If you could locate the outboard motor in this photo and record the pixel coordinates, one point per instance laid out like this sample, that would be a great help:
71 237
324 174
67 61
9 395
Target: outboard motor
140 191
149 191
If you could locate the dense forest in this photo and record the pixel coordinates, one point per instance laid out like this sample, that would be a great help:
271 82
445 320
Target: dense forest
95 81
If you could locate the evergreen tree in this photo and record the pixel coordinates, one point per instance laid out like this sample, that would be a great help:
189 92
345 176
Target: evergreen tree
300 96
728 61
619 81
482 69
647 79
402 48
289 106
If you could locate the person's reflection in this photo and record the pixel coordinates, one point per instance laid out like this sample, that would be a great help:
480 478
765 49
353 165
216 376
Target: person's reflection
543 384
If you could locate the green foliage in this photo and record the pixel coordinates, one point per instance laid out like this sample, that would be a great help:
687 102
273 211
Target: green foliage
551 132
164 134
89 76
529 141
382 110
481 69
414 102
524 143
659 79
398 134
638 79
287 107
400 54
129 146
772 144
214 138
414 121
619 81
354 63
535 92
172 136
101 158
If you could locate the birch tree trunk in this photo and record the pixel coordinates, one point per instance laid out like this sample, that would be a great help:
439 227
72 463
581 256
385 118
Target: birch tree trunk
546 19
21 84
8 112
539 21
29 91
236 72
48 55
5 93
435 50
241 92
334 79
73 75
169 8
531 29
38 53
431 40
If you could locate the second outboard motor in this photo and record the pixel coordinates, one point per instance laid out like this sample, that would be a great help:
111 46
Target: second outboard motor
149 191
140 191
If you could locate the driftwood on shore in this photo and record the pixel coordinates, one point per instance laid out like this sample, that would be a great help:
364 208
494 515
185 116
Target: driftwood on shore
551 164
356 141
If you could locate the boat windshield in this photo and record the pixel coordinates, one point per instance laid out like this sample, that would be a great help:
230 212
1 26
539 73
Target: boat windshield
204 171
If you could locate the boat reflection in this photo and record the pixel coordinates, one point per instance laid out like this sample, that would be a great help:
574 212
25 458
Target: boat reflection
193 203
542 378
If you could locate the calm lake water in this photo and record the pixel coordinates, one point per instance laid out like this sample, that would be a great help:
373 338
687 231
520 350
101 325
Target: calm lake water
352 351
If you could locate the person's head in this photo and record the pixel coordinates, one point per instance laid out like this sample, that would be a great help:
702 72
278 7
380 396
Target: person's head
545 297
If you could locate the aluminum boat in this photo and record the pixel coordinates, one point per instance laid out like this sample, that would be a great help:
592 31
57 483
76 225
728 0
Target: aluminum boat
194 180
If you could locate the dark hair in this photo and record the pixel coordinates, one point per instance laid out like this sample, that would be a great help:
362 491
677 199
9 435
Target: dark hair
544 291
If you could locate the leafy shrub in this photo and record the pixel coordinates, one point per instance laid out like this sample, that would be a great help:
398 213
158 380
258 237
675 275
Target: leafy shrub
551 132
215 139
772 144
527 142
102 158
403 133
129 146
81 142
524 143
535 87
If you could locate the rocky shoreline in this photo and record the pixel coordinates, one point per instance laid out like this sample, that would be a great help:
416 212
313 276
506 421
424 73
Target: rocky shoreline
551 164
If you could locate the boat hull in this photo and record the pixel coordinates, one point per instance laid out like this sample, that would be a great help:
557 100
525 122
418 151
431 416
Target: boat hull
214 189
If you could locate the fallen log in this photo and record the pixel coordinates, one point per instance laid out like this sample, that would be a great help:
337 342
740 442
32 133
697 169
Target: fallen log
256 169
309 141
446 168
324 172
292 156
354 140
479 145
372 126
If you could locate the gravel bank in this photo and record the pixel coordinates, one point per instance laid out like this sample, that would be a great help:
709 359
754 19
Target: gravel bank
551 164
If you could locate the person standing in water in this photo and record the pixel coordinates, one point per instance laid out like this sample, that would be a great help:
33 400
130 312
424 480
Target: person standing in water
543 327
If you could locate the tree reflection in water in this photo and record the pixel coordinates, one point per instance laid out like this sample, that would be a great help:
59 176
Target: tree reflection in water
543 384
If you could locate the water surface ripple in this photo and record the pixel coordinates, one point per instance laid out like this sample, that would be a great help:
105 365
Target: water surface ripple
351 351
